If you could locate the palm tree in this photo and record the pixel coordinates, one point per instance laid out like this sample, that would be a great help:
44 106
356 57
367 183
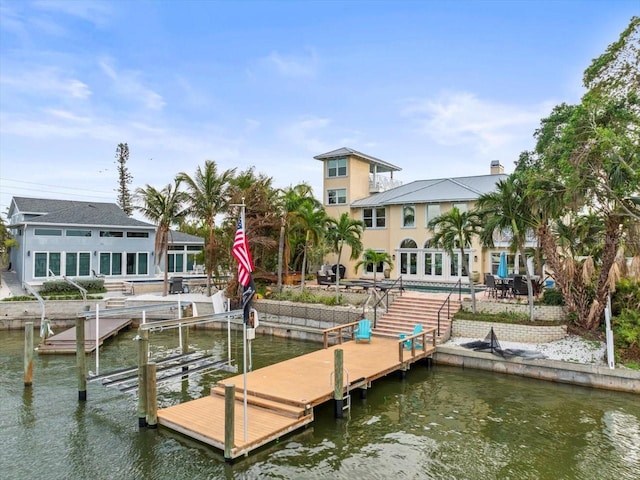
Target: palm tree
312 219
165 208
456 229
209 194
374 258
508 211
345 231
290 200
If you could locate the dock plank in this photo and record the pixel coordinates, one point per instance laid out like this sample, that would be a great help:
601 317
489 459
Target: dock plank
303 382
65 342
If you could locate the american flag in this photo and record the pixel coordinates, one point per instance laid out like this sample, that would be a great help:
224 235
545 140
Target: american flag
241 252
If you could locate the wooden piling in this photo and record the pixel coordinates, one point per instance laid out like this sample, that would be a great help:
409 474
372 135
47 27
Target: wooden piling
185 344
28 354
152 396
143 356
229 420
81 360
338 388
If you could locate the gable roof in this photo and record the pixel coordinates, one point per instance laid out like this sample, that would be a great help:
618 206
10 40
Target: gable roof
46 211
434 191
382 166
185 238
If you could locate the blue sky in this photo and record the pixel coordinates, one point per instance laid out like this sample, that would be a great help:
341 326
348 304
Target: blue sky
438 88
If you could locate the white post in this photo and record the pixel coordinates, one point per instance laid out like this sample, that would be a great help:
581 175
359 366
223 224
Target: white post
97 339
179 325
244 349
229 331
609 334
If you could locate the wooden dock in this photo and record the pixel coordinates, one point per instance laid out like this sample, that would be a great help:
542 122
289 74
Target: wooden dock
65 342
281 397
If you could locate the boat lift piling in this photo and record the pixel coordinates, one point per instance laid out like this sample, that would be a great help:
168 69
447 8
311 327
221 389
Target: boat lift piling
28 354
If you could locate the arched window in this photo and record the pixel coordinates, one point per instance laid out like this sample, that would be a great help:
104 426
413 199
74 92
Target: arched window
408 243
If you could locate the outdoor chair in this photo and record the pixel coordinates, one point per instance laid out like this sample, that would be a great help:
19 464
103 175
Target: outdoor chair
96 275
490 283
176 286
520 286
363 330
417 329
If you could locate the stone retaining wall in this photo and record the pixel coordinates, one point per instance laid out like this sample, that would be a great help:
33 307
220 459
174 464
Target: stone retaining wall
540 312
508 332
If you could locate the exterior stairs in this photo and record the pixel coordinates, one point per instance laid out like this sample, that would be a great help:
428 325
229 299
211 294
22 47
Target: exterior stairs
116 302
115 287
416 308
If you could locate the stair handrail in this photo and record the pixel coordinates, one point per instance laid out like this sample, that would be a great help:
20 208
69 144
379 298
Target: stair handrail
385 298
83 291
447 301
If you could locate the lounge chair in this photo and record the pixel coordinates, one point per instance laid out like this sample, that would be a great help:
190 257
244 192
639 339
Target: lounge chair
363 330
417 329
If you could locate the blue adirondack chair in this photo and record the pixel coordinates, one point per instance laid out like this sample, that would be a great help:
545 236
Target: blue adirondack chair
407 343
363 330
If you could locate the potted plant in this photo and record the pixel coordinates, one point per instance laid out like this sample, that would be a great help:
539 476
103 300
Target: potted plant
374 258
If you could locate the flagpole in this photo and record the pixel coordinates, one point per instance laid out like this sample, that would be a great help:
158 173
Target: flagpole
244 338
244 348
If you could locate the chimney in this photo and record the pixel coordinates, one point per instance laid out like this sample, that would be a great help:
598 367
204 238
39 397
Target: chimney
496 168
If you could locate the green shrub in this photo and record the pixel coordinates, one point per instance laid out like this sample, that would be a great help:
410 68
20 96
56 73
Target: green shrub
552 296
56 287
307 297
626 296
19 298
626 328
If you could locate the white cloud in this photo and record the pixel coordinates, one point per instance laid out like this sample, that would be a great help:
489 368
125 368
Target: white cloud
46 80
128 84
292 65
305 132
93 11
457 118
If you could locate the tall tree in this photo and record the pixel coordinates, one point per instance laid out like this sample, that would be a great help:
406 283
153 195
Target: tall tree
124 178
165 207
288 203
587 160
341 232
311 218
455 230
508 211
209 193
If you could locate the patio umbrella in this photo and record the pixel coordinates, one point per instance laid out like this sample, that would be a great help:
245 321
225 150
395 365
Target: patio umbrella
502 266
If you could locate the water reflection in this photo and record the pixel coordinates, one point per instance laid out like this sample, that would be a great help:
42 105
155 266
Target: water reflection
440 422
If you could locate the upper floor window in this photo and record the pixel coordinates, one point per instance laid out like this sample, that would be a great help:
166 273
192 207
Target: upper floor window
337 167
53 232
374 217
433 211
110 233
78 233
137 234
337 196
409 216
462 207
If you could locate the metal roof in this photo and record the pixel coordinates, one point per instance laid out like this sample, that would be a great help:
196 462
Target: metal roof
181 237
434 191
382 166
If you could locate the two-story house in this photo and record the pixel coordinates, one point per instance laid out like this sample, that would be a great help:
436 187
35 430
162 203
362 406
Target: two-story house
396 216
81 239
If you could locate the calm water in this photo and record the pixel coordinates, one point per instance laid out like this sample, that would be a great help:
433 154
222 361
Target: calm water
440 423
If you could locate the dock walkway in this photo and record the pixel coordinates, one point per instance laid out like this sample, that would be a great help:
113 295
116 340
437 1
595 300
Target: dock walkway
281 397
65 342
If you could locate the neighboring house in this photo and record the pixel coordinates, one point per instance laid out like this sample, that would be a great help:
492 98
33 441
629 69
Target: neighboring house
82 238
396 216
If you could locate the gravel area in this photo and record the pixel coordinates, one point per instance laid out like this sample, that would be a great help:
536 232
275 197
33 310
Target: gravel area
572 348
